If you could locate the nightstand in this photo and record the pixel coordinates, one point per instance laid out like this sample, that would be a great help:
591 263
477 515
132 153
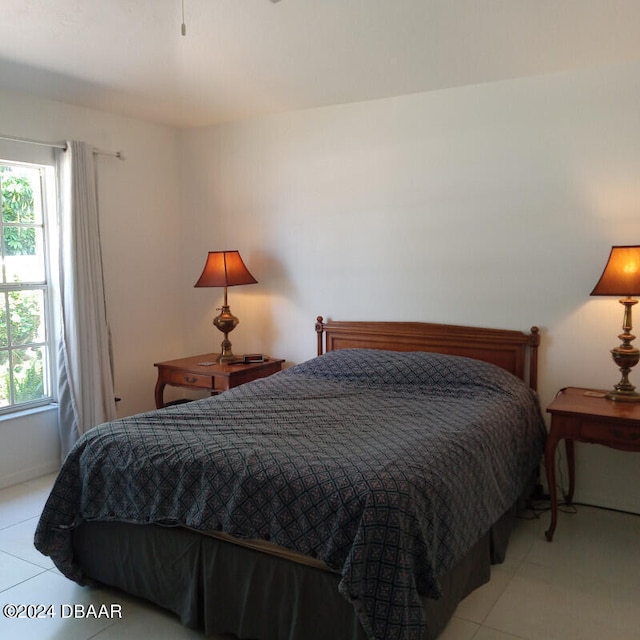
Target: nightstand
586 415
204 372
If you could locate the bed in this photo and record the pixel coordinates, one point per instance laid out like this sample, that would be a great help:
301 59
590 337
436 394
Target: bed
359 495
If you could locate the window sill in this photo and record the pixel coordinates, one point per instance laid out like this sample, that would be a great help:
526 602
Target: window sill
52 406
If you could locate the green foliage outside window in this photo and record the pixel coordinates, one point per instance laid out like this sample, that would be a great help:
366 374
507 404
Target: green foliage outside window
17 208
22 353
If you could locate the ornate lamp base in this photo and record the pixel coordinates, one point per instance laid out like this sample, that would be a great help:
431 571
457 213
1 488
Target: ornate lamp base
622 396
226 322
626 357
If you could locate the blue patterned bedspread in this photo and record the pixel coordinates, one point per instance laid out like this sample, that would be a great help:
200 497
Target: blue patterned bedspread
387 466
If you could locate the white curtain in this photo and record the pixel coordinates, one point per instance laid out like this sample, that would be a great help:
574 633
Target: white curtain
85 378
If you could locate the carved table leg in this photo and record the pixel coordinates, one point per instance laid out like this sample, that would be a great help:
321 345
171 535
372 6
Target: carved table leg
159 394
571 466
549 461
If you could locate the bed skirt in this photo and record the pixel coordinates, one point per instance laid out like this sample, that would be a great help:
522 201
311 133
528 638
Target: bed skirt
222 587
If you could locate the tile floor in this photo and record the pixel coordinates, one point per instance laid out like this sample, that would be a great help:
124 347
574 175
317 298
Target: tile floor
584 585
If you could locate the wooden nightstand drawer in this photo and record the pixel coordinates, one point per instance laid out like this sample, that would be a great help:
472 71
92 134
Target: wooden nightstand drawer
184 378
611 435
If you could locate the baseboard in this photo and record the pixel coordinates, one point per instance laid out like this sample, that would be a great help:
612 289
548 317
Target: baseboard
24 475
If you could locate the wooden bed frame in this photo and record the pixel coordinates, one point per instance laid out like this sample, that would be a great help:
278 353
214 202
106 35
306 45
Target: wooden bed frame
511 350
224 599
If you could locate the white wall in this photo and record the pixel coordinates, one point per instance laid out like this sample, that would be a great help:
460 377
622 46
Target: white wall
491 205
140 228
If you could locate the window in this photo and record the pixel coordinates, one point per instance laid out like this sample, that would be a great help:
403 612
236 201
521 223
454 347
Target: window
25 323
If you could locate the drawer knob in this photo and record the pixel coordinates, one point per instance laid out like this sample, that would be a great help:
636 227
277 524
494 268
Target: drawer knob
190 380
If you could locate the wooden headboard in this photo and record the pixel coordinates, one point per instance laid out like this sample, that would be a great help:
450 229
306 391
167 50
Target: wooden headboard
511 350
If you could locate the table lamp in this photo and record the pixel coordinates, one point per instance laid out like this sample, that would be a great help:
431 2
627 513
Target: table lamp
621 277
225 269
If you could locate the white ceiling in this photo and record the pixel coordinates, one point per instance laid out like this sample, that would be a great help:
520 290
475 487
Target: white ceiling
242 58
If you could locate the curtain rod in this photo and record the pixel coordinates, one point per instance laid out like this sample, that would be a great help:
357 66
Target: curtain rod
36 142
53 145
113 154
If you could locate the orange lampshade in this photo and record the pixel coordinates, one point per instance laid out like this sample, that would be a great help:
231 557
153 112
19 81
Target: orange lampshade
224 269
621 275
